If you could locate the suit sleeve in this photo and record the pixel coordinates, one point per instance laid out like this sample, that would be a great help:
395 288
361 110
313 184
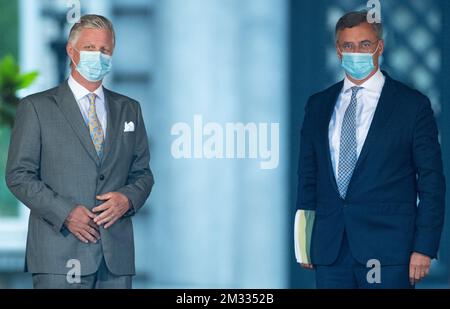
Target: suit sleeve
430 182
140 177
23 170
307 165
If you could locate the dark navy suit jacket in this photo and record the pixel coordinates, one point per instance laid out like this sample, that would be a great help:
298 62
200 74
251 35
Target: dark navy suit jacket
400 163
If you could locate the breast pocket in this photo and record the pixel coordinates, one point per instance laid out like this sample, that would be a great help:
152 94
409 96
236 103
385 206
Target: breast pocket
126 144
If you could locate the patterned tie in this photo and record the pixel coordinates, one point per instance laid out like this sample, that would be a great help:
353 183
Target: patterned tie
348 155
95 128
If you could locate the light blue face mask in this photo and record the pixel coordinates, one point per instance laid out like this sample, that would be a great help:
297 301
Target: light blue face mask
358 65
94 65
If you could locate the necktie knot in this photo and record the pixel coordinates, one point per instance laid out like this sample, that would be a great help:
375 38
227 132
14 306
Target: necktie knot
355 90
92 98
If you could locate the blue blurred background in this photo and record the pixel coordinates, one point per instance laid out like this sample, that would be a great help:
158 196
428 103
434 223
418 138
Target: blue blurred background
221 223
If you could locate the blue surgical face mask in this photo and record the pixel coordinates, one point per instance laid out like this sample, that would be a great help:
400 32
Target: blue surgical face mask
94 65
358 65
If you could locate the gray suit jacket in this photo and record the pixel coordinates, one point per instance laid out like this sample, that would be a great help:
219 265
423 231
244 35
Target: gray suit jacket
53 166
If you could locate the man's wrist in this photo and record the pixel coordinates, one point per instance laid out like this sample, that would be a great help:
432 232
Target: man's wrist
421 254
130 211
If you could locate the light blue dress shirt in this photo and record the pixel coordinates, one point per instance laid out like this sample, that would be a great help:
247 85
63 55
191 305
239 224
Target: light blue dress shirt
368 98
81 96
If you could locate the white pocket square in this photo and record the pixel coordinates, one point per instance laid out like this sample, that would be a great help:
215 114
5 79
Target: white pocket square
129 126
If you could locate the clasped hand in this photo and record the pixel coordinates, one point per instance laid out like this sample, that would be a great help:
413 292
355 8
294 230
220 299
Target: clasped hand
84 224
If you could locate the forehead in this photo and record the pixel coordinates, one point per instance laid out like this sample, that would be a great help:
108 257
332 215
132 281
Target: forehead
358 33
95 36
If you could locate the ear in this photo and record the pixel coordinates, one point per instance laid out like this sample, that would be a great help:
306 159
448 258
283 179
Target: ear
70 50
71 53
381 48
338 51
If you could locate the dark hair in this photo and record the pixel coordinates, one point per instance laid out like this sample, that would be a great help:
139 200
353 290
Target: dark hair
356 18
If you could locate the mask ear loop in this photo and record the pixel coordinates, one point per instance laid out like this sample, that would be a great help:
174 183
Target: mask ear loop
339 49
378 46
71 57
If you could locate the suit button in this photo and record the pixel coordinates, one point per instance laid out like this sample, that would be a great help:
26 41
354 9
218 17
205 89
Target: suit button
102 177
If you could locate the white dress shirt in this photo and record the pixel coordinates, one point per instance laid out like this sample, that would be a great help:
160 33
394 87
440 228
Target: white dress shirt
81 96
367 99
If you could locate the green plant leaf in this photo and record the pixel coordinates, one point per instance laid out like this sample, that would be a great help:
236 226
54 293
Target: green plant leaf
11 80
8 70
26 79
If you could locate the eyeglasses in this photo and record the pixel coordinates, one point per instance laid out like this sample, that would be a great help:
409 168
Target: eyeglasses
363 47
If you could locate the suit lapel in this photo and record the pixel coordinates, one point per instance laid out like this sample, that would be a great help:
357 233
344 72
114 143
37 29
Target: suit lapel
114 125
69 107
379 122
329 108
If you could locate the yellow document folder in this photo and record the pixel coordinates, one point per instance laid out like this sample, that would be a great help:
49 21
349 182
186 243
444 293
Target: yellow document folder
304 221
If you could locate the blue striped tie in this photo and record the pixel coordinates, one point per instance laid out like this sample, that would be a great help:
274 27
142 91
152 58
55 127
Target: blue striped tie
348 155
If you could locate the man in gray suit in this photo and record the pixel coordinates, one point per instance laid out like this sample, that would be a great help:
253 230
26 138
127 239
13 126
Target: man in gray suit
79 159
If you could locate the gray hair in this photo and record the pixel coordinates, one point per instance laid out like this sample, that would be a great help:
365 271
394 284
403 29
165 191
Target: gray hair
356 18
91 22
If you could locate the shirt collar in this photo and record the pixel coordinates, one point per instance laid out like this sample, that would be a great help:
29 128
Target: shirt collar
80 92
373 84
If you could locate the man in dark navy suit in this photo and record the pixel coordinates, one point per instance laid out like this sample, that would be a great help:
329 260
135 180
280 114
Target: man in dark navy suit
370 168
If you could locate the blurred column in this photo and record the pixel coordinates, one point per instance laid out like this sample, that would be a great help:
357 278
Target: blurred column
218 223
32 46
262 255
